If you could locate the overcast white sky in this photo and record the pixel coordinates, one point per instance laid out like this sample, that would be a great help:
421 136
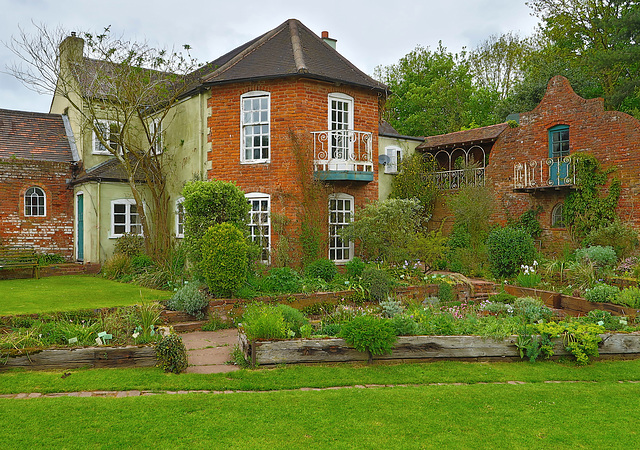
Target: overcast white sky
369 32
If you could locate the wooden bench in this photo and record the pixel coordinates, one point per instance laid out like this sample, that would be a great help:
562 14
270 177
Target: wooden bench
19 258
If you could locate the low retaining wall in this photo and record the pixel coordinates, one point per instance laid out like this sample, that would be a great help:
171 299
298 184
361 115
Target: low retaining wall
574 306
412 348
95 357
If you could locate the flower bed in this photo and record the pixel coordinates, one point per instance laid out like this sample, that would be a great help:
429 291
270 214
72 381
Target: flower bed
413 348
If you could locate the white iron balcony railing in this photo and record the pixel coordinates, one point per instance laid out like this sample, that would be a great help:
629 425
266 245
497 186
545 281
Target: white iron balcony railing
455 179
342 150
546 173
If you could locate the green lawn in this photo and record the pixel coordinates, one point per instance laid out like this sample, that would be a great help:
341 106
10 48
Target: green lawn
68 293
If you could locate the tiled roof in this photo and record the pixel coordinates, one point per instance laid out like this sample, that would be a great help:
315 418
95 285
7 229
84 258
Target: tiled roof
287 50
31 135
110 170
385 129
473 136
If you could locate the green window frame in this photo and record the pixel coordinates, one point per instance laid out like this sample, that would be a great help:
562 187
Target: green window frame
559 141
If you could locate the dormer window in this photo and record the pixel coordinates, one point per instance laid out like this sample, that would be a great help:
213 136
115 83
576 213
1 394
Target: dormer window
110 131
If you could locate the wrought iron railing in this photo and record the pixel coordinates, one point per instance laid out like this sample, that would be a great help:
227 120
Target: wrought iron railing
544 173
343 150
455 179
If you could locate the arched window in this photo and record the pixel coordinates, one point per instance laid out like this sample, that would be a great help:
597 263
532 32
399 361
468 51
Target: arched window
340 215
35 202
557 216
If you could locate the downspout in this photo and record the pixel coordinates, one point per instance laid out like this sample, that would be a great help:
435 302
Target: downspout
98 224
201 145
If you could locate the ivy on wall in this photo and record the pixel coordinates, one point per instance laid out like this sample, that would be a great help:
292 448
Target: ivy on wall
591 206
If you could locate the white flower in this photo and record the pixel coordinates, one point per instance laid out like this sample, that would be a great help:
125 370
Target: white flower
600 322
135 335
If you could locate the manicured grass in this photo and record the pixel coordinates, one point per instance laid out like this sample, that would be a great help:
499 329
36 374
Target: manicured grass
598 415
68 293
294 377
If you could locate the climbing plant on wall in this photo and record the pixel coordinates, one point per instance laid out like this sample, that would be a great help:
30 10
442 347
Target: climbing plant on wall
591 205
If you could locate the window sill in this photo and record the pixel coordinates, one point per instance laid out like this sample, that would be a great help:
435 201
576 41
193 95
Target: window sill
261 161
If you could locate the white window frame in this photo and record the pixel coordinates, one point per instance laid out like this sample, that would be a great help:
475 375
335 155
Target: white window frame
339 144
394 153
262 122
260 197
158 143
179 212
105 125
128 202
41 202
337 223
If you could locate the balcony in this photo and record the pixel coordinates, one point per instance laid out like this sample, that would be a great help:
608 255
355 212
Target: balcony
343 155
546 174
455 179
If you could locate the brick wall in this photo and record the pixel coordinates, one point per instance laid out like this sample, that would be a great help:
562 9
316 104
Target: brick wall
297 105
52 233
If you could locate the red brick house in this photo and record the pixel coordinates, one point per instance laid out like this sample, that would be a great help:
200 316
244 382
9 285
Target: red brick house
292 85
37 155
527 166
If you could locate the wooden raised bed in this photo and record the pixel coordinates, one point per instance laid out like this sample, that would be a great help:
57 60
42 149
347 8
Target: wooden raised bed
412 348
95 357
575 306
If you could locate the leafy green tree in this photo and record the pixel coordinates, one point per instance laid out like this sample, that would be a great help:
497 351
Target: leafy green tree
433 93
413 181
385 229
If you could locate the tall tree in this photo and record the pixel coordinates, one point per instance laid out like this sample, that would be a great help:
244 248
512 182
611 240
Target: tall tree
128 85
433 93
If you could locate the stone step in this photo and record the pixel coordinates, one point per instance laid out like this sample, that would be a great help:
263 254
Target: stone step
185 327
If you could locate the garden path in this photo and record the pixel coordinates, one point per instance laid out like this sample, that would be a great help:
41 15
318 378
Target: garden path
209 351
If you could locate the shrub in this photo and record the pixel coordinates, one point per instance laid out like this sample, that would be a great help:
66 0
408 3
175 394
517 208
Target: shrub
215 322
190 299
354 268
503 297
225 259
207 203
321 268
404 325
532 309
601 293
622 237
117 266
509 248
293 318
385 229
445 292
370 334
264 322
45 259
130 244
598 255
377 282
282 279
171 354
391 308
331 329
606 319
141 262
629 297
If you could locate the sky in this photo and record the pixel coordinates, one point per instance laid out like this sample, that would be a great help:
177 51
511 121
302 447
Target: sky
369 33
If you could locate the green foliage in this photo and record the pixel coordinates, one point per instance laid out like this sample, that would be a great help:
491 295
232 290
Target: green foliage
46 259
605 319
411 182
529 222
354 268
532 309
225 259
601 257
130 244
629 297
370 334
207 203
141 262
377 282
190 299
390 308
171 354
117 266
509 248
282 280
471 207
404 325
434 93
601 293
503 297
215 323
429 247
445 293
580 339
385 229
622 237
586 208
262 321
321 268
294 319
